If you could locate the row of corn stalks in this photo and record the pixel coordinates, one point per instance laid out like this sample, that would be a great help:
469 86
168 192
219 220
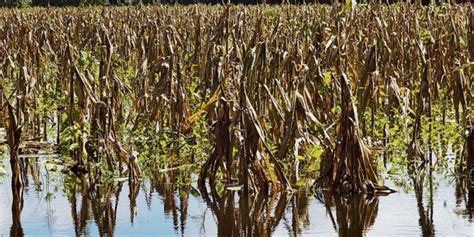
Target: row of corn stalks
268 81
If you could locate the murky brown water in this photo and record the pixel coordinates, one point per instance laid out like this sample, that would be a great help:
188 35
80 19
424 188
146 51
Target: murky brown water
161 207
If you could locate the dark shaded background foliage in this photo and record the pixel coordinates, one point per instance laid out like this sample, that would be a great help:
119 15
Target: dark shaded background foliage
26 3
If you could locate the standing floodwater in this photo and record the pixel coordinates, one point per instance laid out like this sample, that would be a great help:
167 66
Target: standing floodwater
159 207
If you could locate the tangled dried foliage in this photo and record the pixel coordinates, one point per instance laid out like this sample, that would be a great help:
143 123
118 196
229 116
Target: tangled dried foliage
264 79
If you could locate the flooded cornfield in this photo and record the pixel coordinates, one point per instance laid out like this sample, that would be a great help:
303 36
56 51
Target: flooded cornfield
229 120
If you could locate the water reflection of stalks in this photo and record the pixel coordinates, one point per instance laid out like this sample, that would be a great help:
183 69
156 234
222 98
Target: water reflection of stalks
134 190
257 215
97 203
80 219
31 166
355 214
465 193
17 207
470 152
166 185
426 214
103 210
300 215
